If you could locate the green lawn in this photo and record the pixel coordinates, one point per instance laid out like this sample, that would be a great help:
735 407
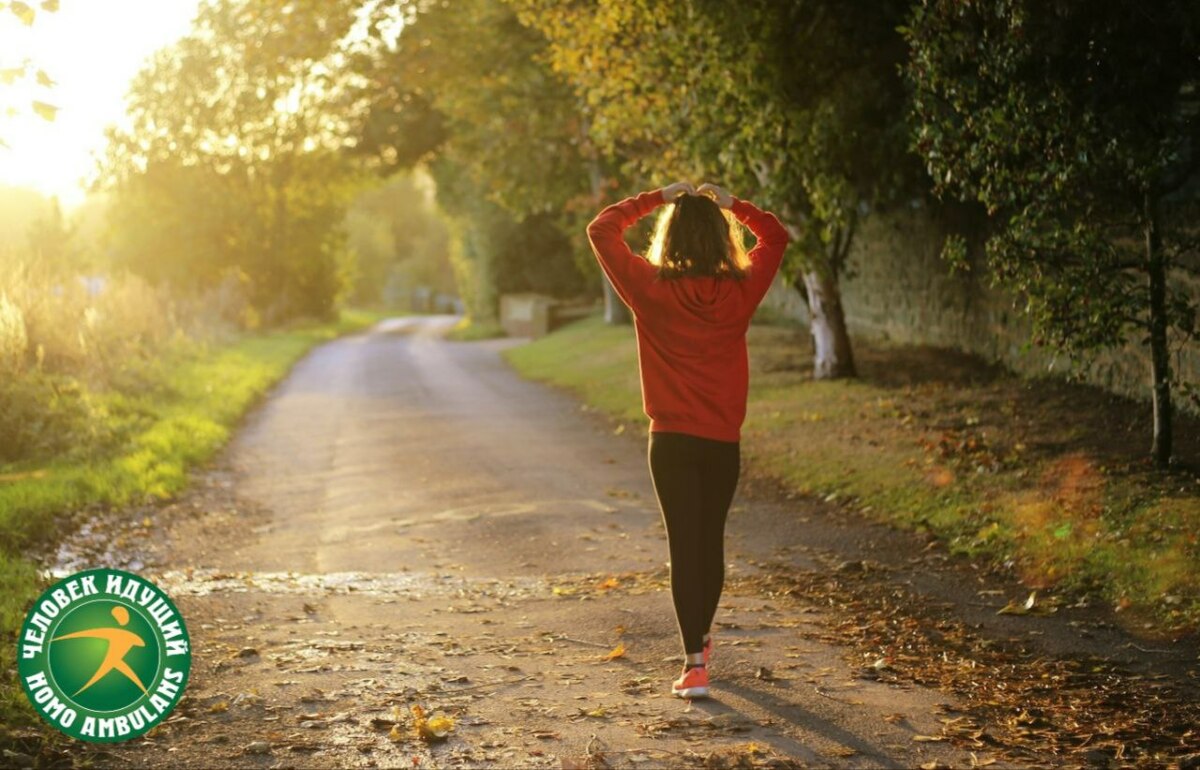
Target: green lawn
1046 477
183 418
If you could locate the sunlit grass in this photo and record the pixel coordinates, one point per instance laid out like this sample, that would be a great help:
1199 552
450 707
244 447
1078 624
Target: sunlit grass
953 458
188 416
468 329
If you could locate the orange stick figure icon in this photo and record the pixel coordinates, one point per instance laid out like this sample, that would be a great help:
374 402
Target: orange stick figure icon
120 642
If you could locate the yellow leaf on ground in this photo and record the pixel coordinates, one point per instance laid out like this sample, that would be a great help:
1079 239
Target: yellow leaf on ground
434 728
615 652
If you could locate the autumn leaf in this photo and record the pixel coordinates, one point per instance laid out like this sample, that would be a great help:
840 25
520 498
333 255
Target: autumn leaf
433 728
22 11
607 584
615 652
45 80
46 111
9 75
50 6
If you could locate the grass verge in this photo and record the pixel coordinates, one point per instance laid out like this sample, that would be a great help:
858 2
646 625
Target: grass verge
182 418
1047 479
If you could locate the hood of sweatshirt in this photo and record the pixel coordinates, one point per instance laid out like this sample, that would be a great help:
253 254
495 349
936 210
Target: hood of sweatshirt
708 300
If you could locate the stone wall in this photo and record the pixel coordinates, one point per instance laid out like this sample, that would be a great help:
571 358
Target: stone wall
899 289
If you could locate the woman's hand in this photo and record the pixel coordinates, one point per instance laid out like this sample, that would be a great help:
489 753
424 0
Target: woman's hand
674 192
718 194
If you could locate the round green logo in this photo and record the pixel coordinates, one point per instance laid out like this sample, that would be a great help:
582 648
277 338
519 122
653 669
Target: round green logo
104 655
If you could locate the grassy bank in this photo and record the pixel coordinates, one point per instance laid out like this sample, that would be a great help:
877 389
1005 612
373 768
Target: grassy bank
182 412
470 330
1048 479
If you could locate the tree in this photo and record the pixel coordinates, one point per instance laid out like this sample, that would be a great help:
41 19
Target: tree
464 83
800 103
1074 123
233 144
399 240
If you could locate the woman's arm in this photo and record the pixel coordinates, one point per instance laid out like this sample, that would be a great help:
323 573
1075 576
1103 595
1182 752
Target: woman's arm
772 238
767 253
629 273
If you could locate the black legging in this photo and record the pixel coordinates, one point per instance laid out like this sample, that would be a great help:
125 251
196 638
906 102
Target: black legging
694 479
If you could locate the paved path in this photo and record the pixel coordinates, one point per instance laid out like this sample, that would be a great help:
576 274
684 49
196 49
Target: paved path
406 522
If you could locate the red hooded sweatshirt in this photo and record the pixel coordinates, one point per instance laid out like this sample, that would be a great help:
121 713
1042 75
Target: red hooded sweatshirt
691 331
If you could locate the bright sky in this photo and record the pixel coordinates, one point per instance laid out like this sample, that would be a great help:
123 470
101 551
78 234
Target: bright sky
92 49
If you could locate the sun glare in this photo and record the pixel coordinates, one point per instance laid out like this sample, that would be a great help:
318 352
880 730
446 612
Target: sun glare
89 51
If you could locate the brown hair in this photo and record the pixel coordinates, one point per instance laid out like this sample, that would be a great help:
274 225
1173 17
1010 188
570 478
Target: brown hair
696 237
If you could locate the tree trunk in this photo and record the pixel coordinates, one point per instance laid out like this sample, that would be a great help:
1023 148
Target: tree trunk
1160 360
833 357
615 311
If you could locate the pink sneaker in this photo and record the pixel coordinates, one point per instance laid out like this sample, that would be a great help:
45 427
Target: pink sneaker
693 683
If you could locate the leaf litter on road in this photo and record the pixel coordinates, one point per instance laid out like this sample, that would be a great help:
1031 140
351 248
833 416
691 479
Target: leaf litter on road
1020 704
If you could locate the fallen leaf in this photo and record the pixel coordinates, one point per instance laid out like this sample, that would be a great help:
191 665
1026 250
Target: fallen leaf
929 738
615 652
432 728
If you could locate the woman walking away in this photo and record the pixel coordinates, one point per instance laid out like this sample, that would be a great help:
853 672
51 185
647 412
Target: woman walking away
692 298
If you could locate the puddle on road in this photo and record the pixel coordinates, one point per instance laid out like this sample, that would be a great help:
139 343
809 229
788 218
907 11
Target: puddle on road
414 585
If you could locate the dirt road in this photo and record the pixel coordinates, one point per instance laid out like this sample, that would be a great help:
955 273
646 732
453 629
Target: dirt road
405 522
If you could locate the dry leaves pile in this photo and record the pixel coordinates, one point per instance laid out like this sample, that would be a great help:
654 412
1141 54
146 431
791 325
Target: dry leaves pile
1020 705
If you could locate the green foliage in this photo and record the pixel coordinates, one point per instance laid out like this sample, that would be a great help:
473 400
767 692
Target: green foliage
462 89
797 105
400 241
1072 123
233 160
42 417
1060 119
